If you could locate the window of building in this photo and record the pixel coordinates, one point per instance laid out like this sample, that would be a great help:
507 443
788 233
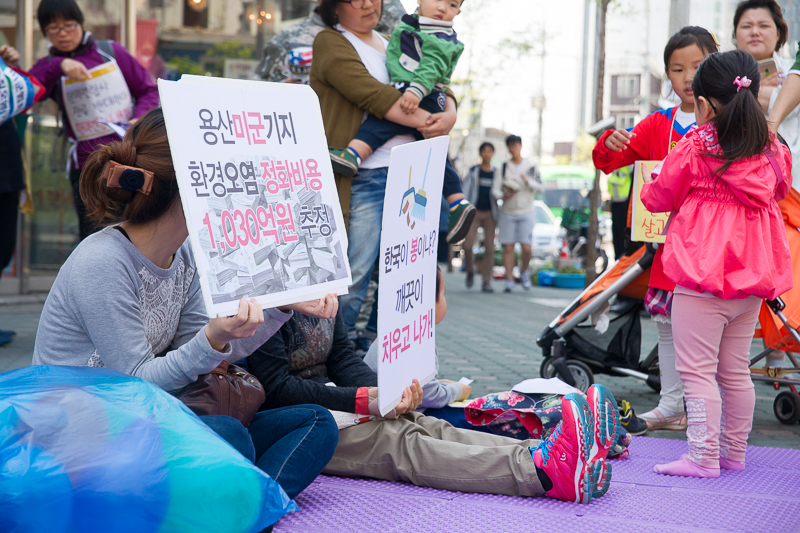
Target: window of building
626 120
627 86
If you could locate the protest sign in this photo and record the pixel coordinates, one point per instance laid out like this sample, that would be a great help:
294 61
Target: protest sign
645 226
240 69
407 283
257 188
103 97
17 93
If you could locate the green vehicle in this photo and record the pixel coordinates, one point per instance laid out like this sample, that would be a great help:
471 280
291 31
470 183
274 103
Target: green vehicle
566 186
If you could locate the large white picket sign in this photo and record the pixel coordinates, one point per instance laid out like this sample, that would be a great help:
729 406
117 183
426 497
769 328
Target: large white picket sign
407 284
258 191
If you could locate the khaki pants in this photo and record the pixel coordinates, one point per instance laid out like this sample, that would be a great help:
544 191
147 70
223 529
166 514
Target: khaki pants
486 220
429 452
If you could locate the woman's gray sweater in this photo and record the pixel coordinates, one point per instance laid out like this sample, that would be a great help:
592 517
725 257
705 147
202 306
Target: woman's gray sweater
110 306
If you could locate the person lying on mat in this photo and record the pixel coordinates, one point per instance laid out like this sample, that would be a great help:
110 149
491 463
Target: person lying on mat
296 364
132 290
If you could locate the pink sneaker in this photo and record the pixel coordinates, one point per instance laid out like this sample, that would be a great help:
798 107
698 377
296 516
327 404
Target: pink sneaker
564 456
605 423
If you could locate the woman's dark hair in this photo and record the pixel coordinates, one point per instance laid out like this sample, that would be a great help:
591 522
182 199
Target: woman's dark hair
777 17
688 36
327 11
741 126
486 145
511 139
51 10
145 146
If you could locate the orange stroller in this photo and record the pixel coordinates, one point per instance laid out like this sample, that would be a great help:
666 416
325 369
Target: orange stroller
779 320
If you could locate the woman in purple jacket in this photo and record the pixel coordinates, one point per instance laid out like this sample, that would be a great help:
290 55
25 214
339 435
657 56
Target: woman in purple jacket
73 52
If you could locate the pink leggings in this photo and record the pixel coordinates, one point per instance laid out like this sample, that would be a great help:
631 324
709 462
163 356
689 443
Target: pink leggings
712 346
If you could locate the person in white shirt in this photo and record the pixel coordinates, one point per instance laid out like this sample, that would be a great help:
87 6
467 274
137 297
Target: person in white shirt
517 184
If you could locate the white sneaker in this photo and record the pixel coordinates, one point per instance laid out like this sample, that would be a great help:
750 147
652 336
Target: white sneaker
509 285
526 280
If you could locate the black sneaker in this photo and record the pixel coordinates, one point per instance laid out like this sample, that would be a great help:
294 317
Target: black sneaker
459 220
470 279
632 424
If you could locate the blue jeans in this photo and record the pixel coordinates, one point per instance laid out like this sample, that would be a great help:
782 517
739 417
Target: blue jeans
364 239
291 444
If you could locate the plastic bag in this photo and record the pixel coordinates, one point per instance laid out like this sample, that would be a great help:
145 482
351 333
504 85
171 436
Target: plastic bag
93 450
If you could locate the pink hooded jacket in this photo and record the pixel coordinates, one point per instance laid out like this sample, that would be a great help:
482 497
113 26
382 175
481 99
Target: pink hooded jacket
727 234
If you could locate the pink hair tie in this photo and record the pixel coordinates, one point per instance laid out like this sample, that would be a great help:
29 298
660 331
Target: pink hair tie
741 82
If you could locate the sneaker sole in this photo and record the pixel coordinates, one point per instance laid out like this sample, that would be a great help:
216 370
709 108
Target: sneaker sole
342 166
602 479
462 225
584 471
605 421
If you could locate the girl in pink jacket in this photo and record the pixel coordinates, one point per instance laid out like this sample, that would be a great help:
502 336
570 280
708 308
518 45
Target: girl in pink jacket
726 251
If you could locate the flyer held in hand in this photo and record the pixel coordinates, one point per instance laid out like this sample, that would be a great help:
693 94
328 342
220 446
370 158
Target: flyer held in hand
407 287
645 226
102 98
257 189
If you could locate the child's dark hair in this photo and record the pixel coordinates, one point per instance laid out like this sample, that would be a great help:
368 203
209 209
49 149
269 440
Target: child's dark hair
145 146
52 10
741 126
439 279
777 17
511 139
688 36
486 145
327 11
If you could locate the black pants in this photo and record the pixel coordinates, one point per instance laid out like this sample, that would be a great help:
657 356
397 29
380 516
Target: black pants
9 209
85 226
619 225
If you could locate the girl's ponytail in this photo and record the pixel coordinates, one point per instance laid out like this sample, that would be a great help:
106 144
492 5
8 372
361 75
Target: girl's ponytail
732 80
144 147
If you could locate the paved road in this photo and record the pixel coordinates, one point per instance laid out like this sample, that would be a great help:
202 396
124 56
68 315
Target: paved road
487 337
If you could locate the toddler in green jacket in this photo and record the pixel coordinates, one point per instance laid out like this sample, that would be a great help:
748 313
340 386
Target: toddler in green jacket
421 56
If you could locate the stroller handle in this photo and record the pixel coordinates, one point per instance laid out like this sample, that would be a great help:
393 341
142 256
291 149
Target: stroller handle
776 305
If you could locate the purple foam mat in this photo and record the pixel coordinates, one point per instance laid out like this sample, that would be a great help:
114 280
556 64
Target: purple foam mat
765 497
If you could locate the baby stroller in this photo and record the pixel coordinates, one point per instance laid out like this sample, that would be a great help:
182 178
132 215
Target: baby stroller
779 320
575 352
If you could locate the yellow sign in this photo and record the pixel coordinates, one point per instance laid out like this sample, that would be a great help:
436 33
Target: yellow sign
645 226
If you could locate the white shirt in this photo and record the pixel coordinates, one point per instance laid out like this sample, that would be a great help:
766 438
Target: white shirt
684 119
375 62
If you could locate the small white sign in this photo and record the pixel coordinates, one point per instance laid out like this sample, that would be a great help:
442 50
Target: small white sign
258 193
407 284
240 69
103 97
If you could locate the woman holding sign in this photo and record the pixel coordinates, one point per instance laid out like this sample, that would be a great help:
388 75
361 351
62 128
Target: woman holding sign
129 298
68 73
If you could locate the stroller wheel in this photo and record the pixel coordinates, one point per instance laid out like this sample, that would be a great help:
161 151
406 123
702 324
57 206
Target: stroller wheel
787 408
580 371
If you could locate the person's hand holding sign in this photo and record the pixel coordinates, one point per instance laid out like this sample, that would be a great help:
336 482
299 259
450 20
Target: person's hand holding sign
220 331
74 70
9 55
326 307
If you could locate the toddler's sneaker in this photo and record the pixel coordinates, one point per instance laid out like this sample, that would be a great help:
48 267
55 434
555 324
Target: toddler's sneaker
632 423
344 161
564 455
459 221
605 420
